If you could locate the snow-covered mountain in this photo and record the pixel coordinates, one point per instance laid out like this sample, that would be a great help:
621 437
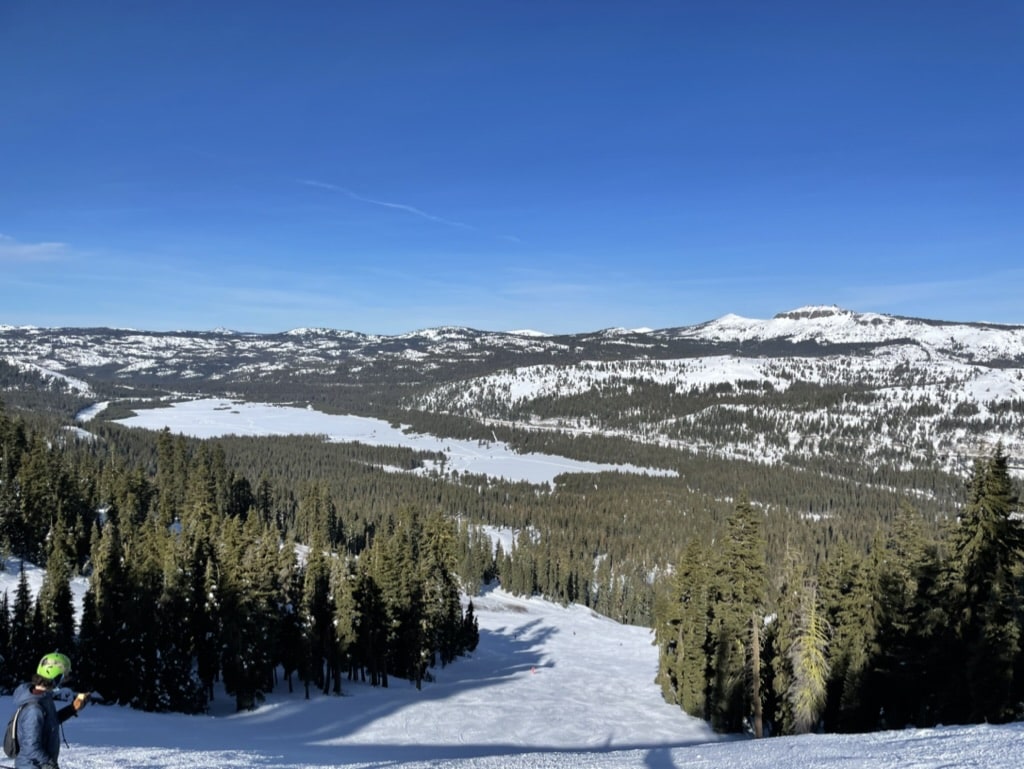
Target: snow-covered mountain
178 357
129 355
835 326
808 382
819 380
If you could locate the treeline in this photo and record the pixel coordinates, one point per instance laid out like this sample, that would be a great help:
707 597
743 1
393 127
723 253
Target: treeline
203 535
601 540
196 577
918 629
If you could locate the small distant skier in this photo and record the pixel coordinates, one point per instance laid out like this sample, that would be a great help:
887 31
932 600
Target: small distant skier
39 730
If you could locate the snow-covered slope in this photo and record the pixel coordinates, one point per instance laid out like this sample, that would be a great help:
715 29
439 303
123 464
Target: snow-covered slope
838 326
548 687
900 402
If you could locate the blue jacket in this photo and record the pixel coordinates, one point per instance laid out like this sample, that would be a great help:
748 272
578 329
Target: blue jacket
39 728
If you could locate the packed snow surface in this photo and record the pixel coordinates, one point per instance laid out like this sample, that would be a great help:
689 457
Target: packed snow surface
215 417
549 687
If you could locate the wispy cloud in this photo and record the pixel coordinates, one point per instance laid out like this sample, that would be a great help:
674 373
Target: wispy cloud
12 251
386 204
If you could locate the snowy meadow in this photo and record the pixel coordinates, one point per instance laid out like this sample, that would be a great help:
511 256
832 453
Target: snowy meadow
215 417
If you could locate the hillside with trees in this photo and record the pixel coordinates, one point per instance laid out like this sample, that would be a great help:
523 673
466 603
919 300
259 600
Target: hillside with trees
831 539
290 557
922 627
198 575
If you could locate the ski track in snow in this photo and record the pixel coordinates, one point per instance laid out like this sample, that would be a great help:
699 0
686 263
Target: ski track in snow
549 687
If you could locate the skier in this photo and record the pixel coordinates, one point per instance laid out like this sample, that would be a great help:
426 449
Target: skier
39 724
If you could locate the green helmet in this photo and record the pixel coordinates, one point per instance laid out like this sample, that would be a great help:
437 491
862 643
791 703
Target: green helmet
53 666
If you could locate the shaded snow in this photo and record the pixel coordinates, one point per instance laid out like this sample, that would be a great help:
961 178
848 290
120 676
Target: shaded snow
548 687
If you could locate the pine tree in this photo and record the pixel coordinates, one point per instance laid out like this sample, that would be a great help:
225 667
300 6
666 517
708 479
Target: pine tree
24 648
395 565
290 652
38 500
179 686
809 663
207 622
195 545
849 598
144 571
9 677
372 632
682 633
470 635
317 616
264 502
346 617
249 621
55 601
739 588
780 635
105 647
986 551
171 477
442 607
909 636
200 510
13 445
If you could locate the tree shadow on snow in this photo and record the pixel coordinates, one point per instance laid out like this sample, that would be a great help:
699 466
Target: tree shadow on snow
323 730
501 654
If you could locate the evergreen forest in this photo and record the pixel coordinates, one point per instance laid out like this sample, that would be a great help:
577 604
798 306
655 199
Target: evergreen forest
783 598
920 628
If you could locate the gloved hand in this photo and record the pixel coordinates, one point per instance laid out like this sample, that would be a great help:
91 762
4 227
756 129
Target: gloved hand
80 701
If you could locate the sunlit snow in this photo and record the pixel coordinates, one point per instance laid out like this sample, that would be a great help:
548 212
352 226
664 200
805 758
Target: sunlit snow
548 687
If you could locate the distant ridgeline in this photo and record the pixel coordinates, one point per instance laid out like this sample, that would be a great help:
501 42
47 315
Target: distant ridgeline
853 442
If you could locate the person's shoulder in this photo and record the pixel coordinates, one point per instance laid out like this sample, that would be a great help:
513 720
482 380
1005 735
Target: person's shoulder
24 695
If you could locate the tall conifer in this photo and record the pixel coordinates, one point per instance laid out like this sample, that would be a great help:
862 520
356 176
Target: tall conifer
739 591
683 633
56 603
808 656
986 551
24 648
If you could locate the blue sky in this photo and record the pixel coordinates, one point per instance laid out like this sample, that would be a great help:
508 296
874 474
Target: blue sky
562 166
